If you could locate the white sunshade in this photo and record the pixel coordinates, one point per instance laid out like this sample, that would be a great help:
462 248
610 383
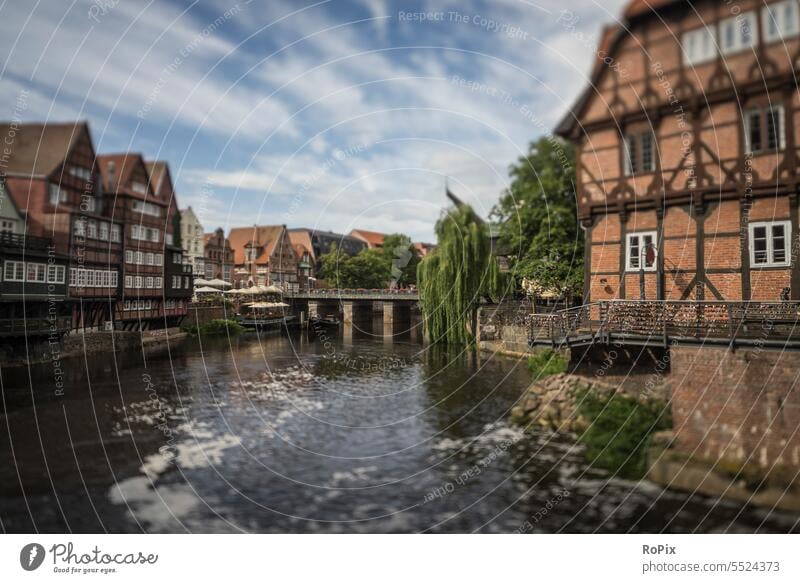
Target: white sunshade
200 282
218 283
206 290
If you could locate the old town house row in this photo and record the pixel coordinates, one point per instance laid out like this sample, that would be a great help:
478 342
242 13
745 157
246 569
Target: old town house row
105 225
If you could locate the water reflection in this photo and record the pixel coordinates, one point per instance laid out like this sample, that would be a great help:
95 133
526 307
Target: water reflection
278 434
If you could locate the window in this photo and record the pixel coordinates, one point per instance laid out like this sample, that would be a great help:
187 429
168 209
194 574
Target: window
155 235
780 20
641 251
115 233
168 238
8 226
92 230
139 257
35 272
114 276
104 231
88 204
73 277
764 129
79 227
14 271
146 208
57 194
159 259
128 281
769 243
81 173
128 256
139 187
639 155
149 259
738 32
699 46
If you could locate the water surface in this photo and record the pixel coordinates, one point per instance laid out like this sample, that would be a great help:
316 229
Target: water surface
290 435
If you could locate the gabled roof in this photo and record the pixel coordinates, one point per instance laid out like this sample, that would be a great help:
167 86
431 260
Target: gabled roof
301 241
37 149
160 178
266 237
116 171
372 238
609 37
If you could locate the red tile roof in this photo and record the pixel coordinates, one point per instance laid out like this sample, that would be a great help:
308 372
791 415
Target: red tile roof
262 236
116 171
372 238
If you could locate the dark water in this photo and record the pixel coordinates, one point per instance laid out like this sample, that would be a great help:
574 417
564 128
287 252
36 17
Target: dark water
287 435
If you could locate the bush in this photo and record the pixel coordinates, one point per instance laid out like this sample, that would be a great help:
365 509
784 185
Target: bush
547 362
216 327
619 430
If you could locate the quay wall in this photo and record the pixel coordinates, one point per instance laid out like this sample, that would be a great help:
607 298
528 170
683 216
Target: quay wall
740 406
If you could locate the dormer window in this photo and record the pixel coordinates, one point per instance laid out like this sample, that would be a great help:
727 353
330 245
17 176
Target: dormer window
738 33
139 188
82 173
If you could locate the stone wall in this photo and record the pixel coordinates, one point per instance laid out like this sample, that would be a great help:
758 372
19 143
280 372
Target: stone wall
199 314
741 407
501 328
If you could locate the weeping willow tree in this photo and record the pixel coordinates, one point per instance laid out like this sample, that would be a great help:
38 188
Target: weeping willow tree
455 276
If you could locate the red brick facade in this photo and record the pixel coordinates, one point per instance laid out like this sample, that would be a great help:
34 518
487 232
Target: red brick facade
738 406
698 153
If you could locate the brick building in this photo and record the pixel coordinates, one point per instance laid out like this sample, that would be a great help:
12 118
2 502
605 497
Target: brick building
177 273
218 256
686 147
263 255
131 199
53 180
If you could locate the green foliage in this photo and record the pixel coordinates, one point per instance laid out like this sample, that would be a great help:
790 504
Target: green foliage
547 362
538 219
453 277
402 257
215 328
369 269
619 430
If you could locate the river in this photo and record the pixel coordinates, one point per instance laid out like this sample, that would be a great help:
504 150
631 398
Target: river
282 434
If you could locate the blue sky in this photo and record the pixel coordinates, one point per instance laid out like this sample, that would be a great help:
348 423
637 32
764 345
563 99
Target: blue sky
333 114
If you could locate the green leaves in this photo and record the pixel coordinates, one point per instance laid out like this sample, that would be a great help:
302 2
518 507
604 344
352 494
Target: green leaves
453 278
538 219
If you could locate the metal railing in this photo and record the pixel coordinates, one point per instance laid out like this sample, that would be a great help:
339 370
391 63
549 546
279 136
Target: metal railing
355 294
667 321
21 241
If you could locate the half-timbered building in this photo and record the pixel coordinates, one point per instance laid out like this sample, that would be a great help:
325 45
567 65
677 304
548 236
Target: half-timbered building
687 151
133 201
51 175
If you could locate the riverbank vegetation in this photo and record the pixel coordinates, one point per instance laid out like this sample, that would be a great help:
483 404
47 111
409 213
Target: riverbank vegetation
619 429
215 328
455 276
544 363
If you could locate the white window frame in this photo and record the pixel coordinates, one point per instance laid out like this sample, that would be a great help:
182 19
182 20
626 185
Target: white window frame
115 233
737 22
787 234
776 14
641 234
17 271
704 38
760 112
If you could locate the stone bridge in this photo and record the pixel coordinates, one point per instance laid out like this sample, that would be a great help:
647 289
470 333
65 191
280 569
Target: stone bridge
399 310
